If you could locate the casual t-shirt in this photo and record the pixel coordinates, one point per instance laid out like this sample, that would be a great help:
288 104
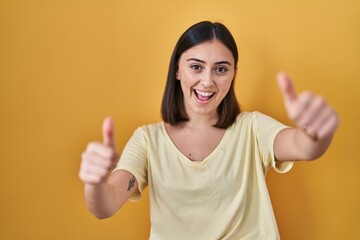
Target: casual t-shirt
222 197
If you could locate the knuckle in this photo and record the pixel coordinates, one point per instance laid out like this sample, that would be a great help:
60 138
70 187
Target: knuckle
98 179
335 115
108 153
320 100
82 164
307 94
295 117
85 160
84 155
335 120
104 173
107 164
94 145
82 176
294 114
90 145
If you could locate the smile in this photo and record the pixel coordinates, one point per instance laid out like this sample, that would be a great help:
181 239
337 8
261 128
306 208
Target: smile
203 96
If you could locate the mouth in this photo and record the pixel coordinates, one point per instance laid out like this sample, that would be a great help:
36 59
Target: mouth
203 96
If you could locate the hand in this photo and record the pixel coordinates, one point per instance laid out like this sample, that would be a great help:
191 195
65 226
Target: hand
310 112
99 159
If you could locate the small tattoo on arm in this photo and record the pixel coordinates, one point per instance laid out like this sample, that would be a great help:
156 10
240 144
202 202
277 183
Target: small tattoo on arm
131 183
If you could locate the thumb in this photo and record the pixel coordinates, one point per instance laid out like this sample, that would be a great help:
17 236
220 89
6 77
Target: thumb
108 132
287 87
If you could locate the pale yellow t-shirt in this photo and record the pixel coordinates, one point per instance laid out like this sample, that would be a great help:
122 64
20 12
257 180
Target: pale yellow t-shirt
222 197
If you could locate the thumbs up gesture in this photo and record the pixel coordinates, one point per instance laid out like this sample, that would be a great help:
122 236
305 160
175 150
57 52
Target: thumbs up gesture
310 112
99 159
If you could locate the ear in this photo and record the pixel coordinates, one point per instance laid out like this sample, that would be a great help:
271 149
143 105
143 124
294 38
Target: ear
235 72
177 74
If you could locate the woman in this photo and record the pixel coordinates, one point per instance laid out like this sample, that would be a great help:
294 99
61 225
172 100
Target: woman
205 164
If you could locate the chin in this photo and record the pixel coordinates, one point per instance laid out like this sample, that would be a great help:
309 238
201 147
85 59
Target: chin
203 111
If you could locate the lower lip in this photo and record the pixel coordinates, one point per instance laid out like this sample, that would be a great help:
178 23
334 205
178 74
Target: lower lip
202 101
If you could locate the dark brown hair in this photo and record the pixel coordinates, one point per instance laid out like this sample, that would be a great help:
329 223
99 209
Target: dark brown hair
172 106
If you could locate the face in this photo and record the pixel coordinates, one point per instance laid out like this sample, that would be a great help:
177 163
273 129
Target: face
205 72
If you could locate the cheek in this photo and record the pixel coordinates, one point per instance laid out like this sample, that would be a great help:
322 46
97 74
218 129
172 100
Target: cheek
188 79
225 85
189 76
186 86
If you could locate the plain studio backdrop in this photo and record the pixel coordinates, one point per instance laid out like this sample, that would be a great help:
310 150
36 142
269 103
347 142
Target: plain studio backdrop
66 65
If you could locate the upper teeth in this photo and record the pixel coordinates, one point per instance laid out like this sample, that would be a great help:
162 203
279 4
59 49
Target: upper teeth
204 94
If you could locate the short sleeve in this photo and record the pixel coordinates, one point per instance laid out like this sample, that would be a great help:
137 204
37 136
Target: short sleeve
266 129
134 159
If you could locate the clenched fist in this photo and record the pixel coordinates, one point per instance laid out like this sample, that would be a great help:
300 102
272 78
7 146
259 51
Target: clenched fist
99 159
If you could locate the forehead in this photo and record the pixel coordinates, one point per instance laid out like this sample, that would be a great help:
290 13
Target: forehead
213 50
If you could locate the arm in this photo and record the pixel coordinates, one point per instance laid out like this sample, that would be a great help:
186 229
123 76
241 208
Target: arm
105 198
316 124
105 193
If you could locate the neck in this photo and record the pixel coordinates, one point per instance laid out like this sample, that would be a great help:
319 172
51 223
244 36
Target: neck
201 120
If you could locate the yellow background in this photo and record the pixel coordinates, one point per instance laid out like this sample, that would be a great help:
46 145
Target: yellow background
65 65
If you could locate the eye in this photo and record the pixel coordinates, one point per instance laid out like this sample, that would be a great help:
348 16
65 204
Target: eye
196 67
221 69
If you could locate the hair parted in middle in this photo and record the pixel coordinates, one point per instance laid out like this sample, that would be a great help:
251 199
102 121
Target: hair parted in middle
172 106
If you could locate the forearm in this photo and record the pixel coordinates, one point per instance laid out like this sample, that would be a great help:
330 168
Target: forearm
106 198
309 147
293 144
100 200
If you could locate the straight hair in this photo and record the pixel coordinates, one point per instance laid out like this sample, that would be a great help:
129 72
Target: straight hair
172 106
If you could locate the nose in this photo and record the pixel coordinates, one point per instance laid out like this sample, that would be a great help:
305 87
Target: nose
207 79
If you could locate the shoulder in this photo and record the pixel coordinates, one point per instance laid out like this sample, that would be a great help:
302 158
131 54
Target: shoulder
253 121
245 118
145 134
152 127
150 130
248 117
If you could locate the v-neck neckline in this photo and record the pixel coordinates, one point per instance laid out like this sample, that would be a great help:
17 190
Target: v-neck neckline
188 160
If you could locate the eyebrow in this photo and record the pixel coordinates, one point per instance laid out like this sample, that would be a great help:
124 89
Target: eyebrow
202 61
